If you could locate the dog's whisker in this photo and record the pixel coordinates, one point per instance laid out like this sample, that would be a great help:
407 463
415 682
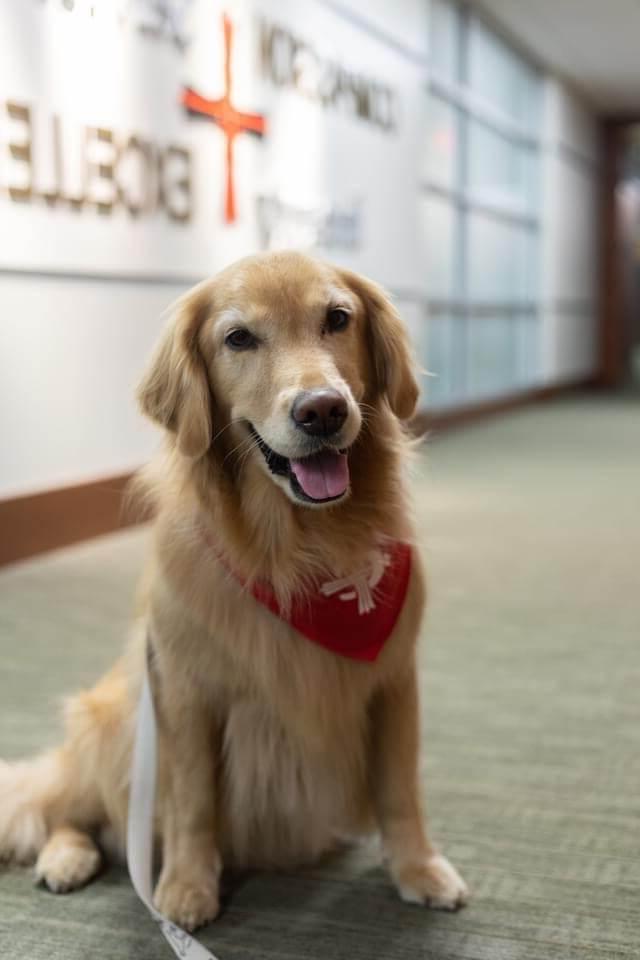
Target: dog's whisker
243 458
250 444
226 427
251 441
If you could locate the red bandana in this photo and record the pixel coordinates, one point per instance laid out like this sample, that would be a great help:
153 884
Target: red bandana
353 616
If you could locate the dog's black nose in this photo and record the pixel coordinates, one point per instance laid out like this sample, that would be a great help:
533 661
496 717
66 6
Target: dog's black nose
319 412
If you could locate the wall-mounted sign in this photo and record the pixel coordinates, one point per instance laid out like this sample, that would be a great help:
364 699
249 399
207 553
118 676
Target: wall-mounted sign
171 138
50 159
222 112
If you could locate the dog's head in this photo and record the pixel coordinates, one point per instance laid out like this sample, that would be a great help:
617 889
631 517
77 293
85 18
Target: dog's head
284 355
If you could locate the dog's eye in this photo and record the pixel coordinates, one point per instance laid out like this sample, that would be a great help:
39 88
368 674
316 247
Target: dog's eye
240 339
337 320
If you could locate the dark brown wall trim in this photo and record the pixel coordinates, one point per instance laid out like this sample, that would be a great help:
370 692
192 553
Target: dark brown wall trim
55 518
611 311
614 324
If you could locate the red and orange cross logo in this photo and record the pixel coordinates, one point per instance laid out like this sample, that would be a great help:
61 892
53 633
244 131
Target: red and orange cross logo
224 114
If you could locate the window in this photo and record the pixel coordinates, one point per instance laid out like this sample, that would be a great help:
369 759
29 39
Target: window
500 77
481 212
445 39
438 222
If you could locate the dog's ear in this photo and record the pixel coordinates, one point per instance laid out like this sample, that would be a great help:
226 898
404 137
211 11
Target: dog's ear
175 389
392 359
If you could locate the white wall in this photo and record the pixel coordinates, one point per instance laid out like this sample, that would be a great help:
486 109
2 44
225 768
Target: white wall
404 21
71 354
71 346
571 172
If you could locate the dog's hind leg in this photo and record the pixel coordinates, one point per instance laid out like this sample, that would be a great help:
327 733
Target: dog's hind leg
27 791
50 802
68 860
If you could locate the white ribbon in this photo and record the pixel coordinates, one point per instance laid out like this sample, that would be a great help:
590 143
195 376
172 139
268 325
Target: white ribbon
360 584
140 826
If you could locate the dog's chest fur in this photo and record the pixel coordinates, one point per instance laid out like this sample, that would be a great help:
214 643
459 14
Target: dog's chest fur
291 718
285 801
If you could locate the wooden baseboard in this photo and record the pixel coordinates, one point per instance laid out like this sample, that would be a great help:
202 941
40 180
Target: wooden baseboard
45 521
39 522
447 419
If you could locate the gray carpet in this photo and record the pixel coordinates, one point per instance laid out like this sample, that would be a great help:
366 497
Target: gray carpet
531 529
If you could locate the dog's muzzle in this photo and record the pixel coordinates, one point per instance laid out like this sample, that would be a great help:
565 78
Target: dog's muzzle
318 478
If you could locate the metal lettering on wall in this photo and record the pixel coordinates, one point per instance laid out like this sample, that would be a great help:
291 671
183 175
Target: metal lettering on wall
93 167
289 61
172 137
282 224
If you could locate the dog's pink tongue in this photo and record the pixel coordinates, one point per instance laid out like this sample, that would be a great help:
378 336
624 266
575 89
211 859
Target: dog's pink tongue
324 475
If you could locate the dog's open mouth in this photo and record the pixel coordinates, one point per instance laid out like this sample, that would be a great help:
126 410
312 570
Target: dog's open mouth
320 477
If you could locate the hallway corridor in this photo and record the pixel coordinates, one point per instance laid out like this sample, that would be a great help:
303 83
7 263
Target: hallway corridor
530 525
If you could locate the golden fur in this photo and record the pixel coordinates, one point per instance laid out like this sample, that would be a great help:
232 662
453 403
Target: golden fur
271 747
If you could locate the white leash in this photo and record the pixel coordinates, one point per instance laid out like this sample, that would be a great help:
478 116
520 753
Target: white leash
140 826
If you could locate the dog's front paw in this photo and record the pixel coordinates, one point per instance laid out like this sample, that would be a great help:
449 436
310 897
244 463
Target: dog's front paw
188 901
67 861
433 882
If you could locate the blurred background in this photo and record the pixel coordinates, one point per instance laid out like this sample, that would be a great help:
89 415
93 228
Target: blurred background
482 161
479 160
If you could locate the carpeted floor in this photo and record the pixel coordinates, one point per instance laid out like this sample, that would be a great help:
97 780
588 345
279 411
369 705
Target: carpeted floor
531 528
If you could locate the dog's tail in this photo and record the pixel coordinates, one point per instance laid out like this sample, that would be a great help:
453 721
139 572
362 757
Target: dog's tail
28 791
68 785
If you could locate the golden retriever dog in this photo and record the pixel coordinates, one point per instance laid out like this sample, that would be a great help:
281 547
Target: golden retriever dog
280 497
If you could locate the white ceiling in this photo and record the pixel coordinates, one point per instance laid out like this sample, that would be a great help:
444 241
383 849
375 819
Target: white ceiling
594 43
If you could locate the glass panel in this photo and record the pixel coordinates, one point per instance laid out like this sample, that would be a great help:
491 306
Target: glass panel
440 155
438 360
491 356
529 347
492 260
496 349
413 314
502 260
438 221
529 277
503 78
444 46
501 172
